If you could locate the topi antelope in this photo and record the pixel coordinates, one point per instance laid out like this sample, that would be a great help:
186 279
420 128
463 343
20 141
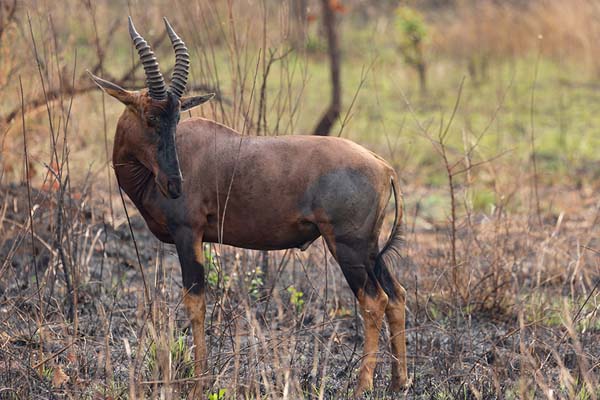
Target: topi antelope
199 181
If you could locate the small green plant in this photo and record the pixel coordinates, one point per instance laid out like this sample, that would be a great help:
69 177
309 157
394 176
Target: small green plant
151 362
413 34
583 394
213 272
296 298
255 282
220 395
442 395
47 372
181 356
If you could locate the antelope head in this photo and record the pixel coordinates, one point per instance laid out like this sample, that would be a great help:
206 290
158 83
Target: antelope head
157 110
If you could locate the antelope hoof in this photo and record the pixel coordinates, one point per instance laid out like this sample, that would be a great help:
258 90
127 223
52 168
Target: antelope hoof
401 384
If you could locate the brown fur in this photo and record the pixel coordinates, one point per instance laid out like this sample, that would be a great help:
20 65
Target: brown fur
372 309
265 193
396 316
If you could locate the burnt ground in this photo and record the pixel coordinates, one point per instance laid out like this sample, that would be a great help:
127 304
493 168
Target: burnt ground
517 318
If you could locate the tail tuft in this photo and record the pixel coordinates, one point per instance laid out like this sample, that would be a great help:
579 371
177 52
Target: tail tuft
391 254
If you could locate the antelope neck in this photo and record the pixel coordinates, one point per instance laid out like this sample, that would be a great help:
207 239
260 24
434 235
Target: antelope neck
135 179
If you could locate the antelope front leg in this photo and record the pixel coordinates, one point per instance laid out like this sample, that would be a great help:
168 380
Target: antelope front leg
191 257
195 305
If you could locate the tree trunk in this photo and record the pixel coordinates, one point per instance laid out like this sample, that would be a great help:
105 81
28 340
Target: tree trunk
297 22
422 70
333 112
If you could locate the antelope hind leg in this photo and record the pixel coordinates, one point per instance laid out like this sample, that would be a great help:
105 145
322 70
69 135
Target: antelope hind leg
372 309
396 316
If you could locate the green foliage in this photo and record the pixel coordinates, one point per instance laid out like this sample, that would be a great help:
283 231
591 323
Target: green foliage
443 395
584 394
47 372
433 311
220 395
413 33
254 280
181 357
151 360
483 200
296 298
314 45
411 23
214 275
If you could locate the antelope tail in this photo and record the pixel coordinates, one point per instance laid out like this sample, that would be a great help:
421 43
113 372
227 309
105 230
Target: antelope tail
391 255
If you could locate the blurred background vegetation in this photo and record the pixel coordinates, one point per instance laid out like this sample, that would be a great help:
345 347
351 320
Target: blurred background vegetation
392 54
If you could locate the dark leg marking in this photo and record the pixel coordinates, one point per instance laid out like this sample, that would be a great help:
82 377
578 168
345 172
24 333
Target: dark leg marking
191 258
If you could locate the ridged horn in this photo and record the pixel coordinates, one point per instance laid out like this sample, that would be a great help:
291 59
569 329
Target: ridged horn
182 62
154 79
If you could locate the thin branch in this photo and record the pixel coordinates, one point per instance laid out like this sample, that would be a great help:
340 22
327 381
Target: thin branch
262 112
127 79
27 180
363 78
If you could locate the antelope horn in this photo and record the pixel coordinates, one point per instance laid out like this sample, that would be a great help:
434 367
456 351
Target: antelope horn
182 62
154 79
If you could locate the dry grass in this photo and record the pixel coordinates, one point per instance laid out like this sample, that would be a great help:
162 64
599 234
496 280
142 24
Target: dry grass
485 32
502 301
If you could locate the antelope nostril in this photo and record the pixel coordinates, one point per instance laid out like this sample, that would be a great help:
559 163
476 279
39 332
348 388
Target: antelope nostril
174 188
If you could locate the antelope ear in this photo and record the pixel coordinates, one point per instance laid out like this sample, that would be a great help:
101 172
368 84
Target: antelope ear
124 96
189 102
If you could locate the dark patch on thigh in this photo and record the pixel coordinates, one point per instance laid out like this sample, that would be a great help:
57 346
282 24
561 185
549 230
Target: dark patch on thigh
347 197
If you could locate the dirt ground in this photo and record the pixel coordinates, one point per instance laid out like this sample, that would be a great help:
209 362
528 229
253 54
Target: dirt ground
522 323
